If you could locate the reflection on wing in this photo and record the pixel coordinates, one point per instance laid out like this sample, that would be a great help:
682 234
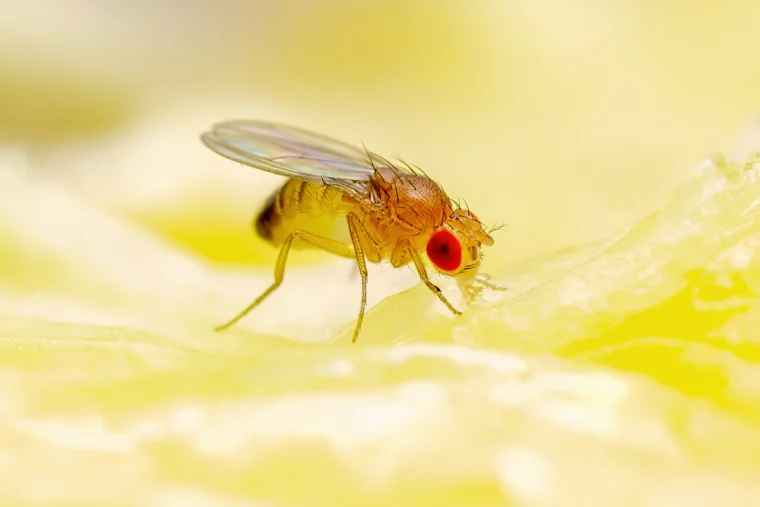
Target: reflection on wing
289 151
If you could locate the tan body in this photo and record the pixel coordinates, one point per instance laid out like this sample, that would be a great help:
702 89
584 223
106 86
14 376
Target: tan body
355 204
413 207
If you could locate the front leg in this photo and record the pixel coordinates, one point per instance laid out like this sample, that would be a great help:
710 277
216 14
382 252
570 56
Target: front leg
407 250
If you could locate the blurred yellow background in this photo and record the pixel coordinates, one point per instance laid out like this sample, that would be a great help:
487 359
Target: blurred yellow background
620 372
568 120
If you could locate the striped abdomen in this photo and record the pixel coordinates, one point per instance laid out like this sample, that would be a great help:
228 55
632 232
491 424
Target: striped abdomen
304 205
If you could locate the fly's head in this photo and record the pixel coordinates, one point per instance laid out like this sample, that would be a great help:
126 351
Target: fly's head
454 248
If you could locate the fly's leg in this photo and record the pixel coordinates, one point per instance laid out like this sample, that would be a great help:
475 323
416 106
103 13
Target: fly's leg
424 277
326 244
356 229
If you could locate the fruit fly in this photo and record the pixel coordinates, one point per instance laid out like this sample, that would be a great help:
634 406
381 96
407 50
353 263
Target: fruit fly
353 203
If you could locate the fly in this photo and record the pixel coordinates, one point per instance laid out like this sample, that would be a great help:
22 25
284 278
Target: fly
391 213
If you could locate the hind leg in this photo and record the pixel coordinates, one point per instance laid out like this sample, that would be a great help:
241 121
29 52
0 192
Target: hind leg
326 244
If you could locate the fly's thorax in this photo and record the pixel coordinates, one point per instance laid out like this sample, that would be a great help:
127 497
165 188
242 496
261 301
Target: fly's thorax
411 200
400 206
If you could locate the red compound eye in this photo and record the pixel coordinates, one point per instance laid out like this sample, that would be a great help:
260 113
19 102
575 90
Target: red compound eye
444 250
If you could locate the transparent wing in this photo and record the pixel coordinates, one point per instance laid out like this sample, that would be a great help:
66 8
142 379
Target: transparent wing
290 151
